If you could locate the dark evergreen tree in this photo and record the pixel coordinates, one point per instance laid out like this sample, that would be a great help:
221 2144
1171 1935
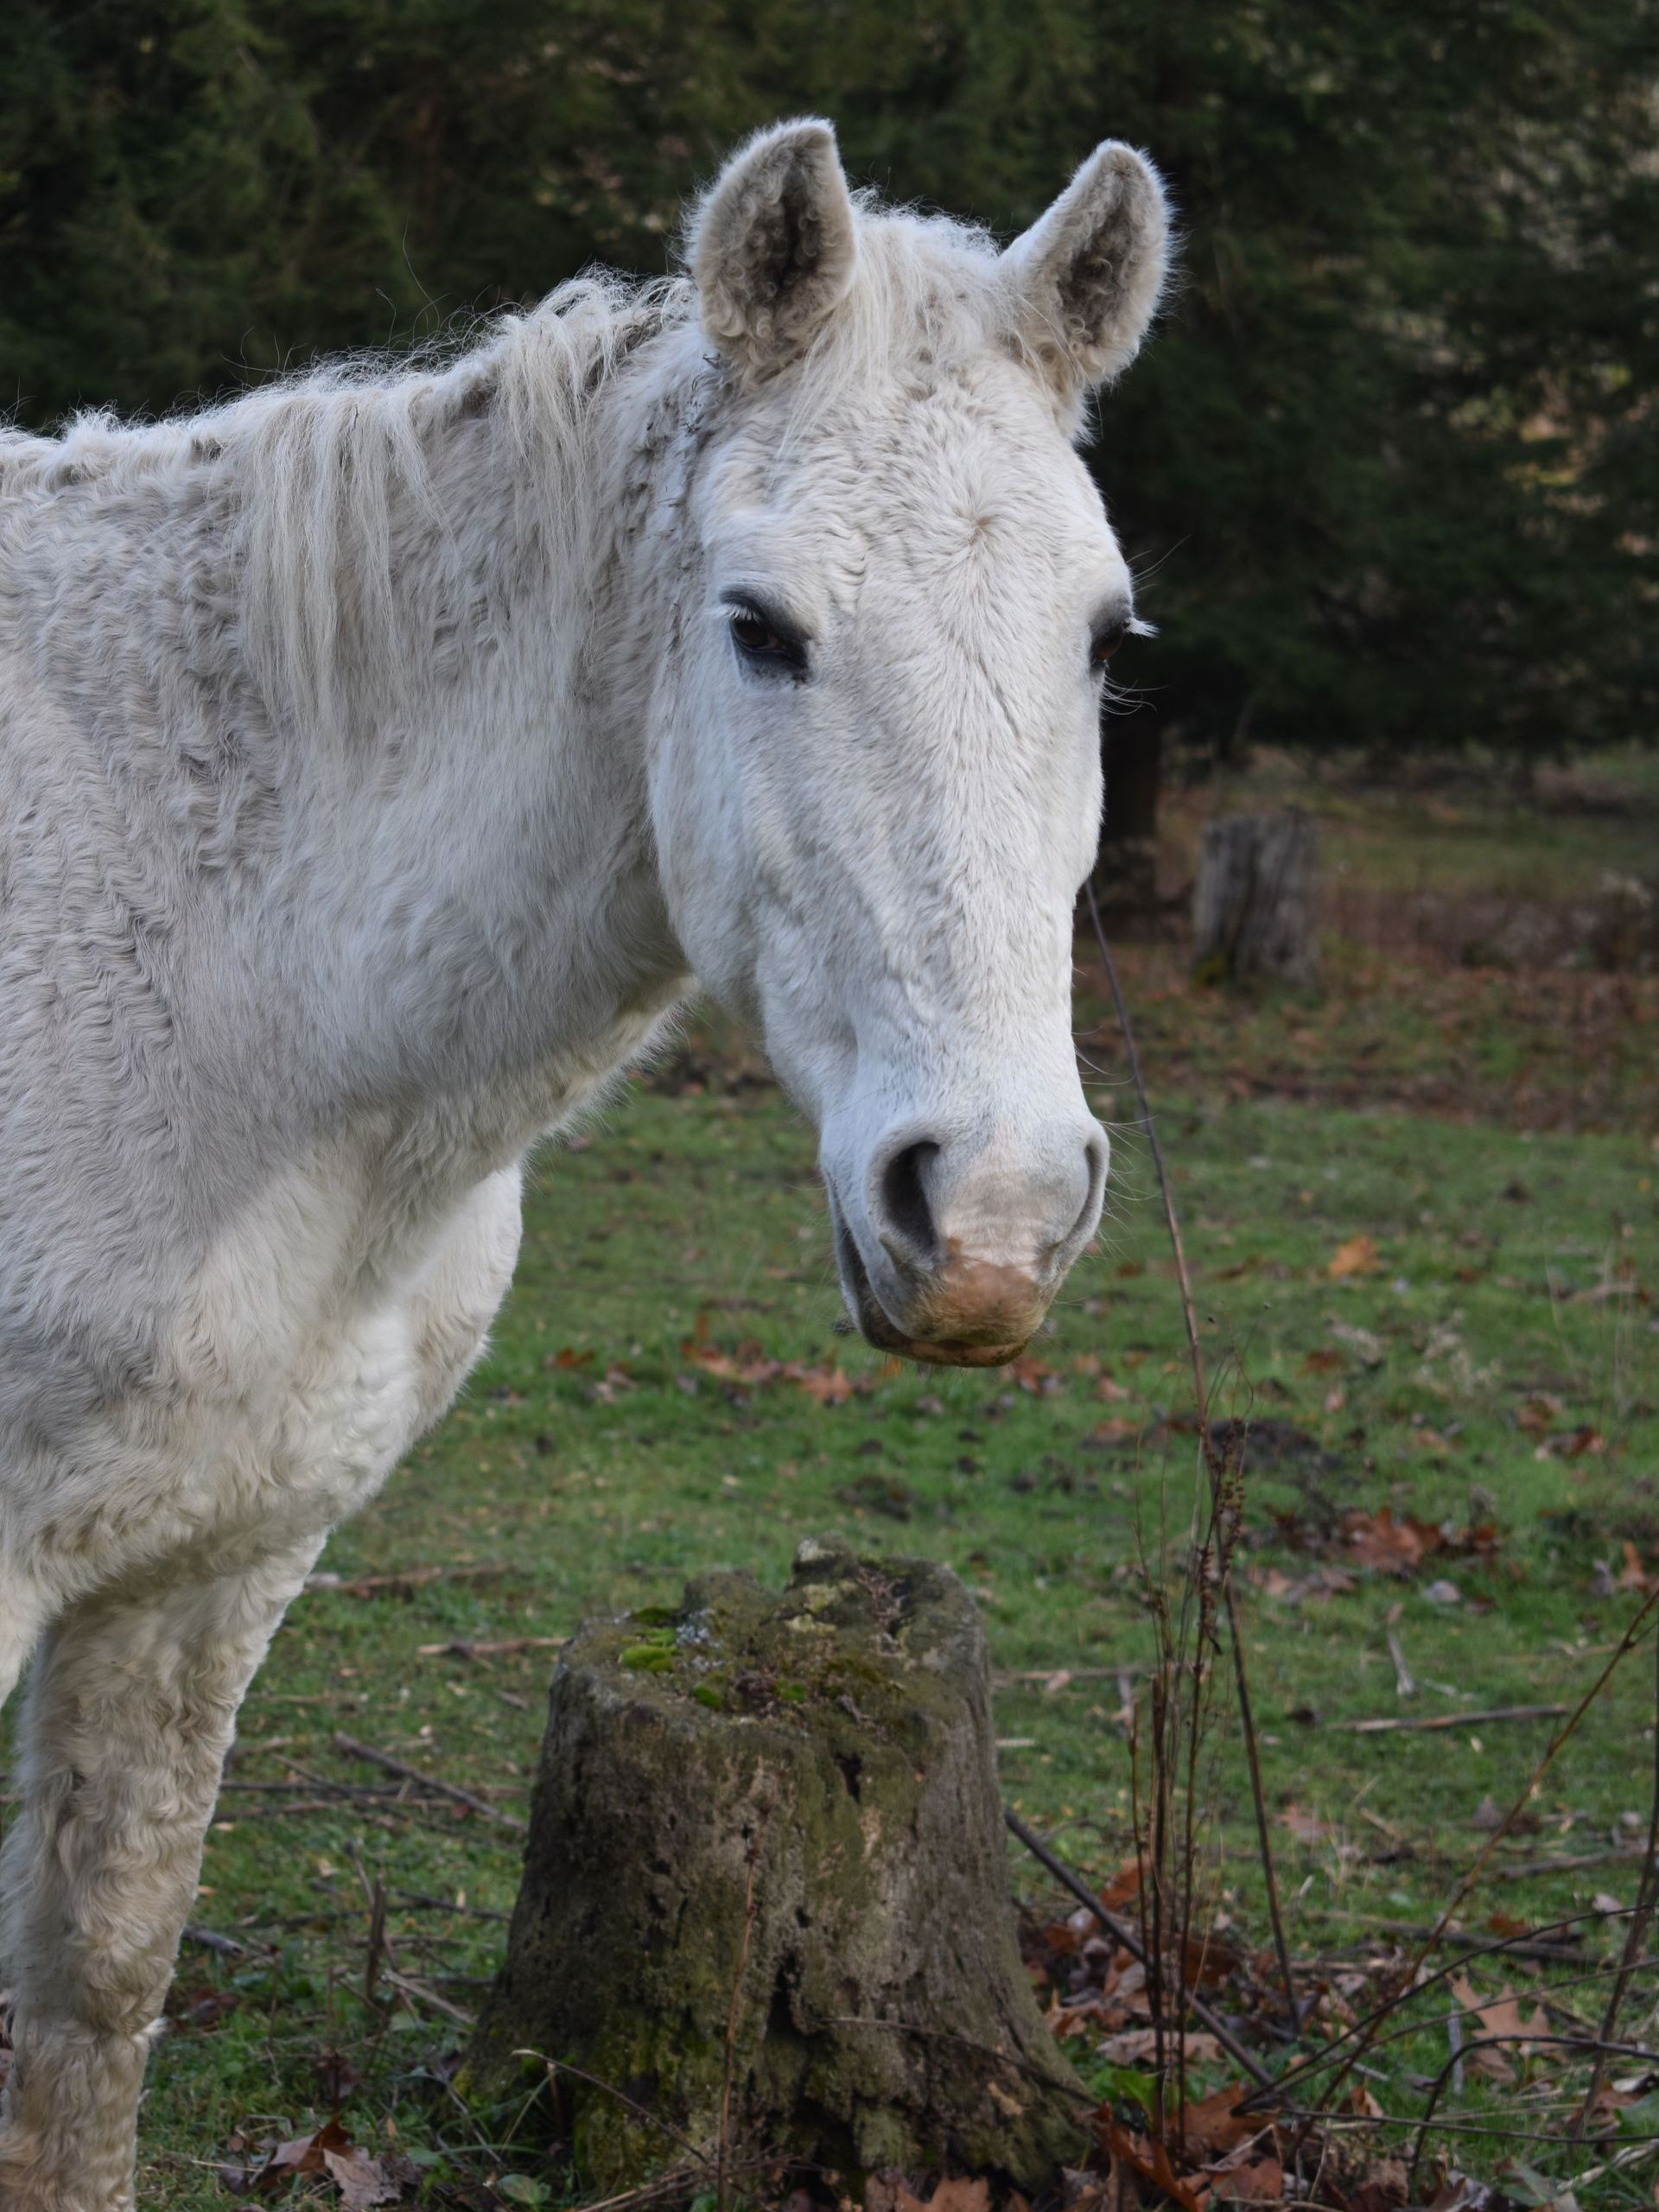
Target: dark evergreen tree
1391 467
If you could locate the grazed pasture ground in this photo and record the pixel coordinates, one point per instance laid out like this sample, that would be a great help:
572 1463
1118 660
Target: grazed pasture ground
1493 1363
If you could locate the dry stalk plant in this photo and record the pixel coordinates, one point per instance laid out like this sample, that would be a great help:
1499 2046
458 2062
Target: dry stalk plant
1189 1596
1188 1591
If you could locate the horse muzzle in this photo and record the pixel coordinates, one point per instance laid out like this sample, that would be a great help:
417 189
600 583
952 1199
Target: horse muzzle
954 1257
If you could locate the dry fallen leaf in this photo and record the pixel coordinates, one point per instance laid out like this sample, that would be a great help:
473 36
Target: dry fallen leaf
948 2196
1217 2125
1390 1545
1139 2047
361 2179
1356 1257
1260 2183
1030 1374
1307 1827
302 2154
1123 1885
1537 1413
1145 2155
825 1386
1383 2189
1500 2016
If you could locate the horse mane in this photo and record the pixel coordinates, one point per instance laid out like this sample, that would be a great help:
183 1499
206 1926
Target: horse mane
328 480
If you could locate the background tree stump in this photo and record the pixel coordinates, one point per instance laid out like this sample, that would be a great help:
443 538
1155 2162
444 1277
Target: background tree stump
766 1873
1254 906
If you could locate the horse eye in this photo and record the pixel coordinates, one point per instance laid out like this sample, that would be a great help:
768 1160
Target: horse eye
758 639
753 634
1105 643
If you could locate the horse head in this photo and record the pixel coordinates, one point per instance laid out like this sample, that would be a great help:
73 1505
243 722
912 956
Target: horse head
876 779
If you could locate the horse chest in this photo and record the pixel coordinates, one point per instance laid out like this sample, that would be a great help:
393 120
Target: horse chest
321 1335
341 1333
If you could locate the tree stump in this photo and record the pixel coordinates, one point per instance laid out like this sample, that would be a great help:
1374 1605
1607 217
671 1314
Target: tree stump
1254 907
766 1878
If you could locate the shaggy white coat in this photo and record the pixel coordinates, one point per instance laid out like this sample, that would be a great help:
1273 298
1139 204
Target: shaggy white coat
378 767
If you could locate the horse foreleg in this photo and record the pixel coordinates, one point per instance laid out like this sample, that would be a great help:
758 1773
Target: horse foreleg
130 1707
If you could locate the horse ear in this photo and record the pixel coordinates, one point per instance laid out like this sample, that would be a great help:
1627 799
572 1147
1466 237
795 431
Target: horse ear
773 246
1088 274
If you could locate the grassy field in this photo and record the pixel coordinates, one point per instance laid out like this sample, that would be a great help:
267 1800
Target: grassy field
1442 1319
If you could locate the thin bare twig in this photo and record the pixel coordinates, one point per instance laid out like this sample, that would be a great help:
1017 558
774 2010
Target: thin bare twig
1454 2044
1478 2043
1647 1894
209 1939
461 1648
1008 2058
593 2081
409 1899
411 1577
1388 1723
412 1986
1362 2033
1132 1943
355 1750
1550 1993
1212 1466
1573 1862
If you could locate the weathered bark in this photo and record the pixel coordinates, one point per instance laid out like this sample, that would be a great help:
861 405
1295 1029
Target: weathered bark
767 1870
1254 906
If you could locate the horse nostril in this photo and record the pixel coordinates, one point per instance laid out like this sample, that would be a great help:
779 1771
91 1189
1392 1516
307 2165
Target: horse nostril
1096 1154
906 1212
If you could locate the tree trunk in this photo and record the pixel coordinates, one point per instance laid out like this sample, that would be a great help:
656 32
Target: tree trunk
1126 874
766 1896
1254 907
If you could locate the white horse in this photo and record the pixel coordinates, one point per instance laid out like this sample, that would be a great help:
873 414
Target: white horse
381 756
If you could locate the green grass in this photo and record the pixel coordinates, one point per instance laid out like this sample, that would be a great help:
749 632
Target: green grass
597 1464
1464 827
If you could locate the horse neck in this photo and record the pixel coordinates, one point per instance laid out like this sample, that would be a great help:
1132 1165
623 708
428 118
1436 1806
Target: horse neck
489 923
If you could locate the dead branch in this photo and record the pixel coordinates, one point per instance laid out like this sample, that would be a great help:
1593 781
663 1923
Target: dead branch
462 1648
1620 1854
1363 2032
409 1578
209 1939
414 1900
423 1994
1423 1723
353 1749
1476 2043
1405 1682
1132 1943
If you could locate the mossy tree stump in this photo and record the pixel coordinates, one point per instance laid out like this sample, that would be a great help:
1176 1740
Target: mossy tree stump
766 1875
1255 900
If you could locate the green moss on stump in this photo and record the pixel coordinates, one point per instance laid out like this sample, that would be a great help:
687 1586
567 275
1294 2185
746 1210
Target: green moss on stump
796 1794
